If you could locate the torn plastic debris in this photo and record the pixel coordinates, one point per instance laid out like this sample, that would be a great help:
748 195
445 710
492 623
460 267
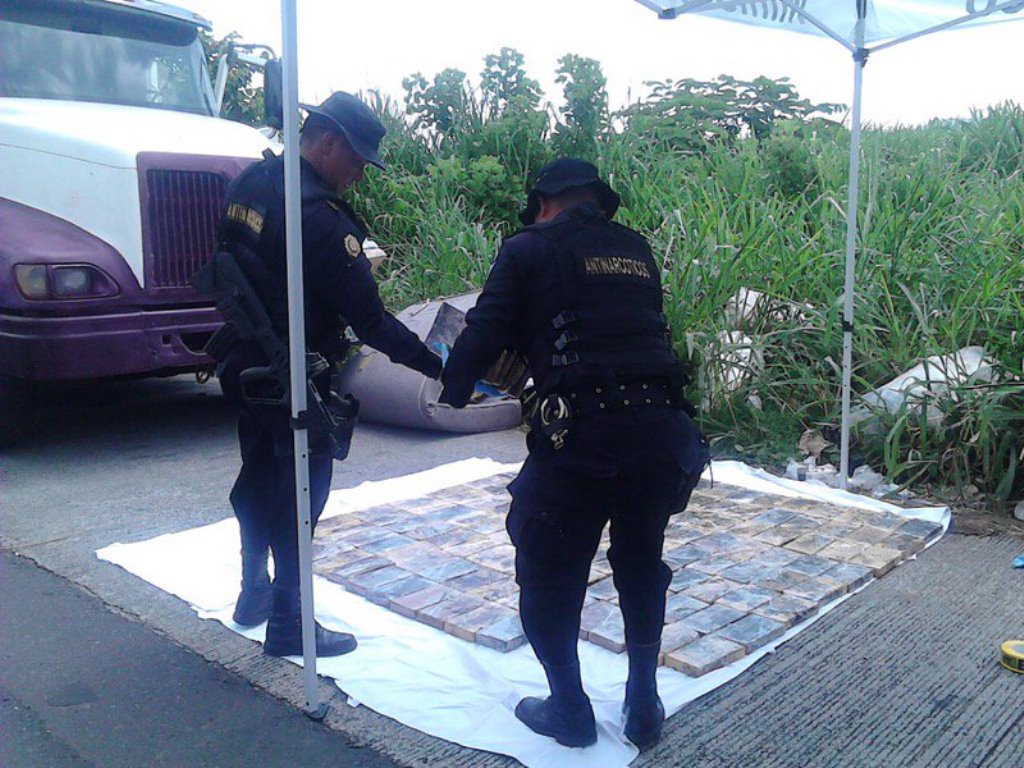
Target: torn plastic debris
740 358
812 443
863 480
738 361
748 306
936 374
808 469
393 394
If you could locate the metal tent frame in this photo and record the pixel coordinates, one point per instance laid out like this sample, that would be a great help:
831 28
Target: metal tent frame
781 11
297 350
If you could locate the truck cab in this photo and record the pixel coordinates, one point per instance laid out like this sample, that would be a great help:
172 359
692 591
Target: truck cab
113 168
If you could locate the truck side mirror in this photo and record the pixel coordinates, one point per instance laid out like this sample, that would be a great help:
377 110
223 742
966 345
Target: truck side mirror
273 102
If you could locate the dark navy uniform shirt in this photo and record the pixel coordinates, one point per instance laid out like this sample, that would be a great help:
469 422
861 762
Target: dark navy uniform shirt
528 286
339 287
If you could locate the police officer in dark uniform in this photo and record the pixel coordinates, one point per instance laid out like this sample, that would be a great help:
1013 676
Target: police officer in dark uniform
338 139
580 296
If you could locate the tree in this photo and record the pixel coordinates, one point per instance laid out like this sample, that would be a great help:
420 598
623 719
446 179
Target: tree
585 111
500 120
505 86
442 109
688 113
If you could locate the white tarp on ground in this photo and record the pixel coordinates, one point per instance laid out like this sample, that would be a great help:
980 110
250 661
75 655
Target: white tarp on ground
431 681
884 19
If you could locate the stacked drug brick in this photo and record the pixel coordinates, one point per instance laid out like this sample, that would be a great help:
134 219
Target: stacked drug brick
746 566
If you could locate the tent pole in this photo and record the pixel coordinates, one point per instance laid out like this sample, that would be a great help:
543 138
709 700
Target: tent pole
297 350
859 60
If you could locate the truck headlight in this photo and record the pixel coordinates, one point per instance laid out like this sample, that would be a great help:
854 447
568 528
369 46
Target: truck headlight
63 281
32 280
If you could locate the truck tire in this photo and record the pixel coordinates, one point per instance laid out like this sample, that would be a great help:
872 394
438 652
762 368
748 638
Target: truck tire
13 404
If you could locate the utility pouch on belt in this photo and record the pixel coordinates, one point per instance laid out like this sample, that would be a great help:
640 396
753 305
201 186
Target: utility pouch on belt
339 416
331 417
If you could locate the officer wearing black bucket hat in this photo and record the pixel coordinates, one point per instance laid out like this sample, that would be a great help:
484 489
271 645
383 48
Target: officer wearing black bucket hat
344 113
339 138
580 296
569 173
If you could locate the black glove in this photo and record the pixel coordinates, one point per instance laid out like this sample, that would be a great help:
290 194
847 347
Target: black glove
427 363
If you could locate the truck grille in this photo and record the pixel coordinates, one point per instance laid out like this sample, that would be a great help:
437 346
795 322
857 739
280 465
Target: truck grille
183 209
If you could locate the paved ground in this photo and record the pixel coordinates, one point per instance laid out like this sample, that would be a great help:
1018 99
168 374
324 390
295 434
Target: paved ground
903 675
83 686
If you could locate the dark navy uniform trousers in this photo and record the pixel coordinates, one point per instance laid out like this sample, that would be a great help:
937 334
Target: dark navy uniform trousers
263 496
625 470
581 297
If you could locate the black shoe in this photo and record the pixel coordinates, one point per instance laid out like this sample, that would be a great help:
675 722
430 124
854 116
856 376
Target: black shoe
644 720
253 605
287 641
284 629
569 725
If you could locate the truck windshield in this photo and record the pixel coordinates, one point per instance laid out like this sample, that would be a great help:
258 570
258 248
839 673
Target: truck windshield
53 50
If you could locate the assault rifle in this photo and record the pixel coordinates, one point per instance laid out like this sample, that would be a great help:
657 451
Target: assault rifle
246 319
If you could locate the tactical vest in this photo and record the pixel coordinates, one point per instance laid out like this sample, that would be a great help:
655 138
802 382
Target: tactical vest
252 228
610 329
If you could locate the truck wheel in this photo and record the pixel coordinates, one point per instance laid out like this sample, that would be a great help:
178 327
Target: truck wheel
13 403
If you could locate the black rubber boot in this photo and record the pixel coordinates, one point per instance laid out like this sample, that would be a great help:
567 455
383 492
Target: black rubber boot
566 715
256 598
645 714
284 630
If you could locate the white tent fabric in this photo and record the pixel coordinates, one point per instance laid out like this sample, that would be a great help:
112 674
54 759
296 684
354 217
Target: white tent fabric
884 20
862 27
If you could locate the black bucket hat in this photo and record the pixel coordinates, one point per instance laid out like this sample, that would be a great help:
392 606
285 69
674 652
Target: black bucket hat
345 113
563 174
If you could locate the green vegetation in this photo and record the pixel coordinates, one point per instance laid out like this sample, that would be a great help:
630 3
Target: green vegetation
743 184
243 98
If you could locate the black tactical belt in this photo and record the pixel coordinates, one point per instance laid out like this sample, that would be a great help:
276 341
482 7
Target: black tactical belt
557 411
606 398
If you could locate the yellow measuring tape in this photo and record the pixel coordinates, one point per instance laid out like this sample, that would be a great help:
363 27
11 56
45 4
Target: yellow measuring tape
1013 655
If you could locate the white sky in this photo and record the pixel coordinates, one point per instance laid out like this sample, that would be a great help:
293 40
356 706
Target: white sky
362 44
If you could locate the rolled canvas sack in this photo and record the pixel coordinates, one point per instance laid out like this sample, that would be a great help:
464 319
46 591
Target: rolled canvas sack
393 394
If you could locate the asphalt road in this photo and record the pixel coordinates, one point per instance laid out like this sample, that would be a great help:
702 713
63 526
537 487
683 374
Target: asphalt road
99 668
94 666
83 686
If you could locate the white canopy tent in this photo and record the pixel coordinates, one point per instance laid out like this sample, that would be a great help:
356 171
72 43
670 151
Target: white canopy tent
862 27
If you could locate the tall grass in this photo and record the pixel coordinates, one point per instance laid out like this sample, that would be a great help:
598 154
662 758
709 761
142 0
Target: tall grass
939 267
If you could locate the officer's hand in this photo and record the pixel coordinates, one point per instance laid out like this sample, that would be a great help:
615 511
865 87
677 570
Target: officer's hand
427 363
